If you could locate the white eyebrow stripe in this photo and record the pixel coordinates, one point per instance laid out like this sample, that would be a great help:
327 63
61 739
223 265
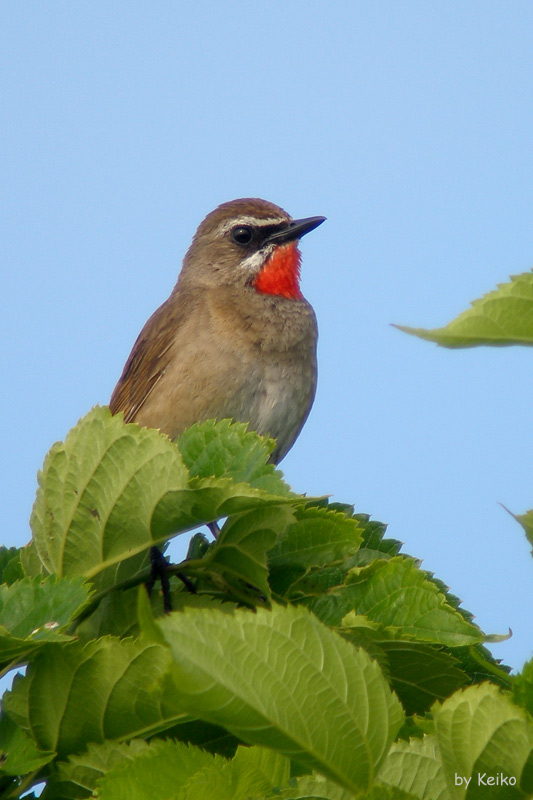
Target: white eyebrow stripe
249 220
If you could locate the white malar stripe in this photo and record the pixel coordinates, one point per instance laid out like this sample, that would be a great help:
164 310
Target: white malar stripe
254 263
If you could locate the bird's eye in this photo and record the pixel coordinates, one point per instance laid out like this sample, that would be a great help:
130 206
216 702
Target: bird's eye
242 235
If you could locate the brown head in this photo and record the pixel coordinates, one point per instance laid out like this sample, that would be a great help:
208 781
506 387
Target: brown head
247 242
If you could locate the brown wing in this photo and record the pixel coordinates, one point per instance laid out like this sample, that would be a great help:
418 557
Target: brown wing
147 361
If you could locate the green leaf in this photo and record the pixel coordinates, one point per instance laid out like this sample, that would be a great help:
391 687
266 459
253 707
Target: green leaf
116 614
319 536
314 553
479 735
18 753
362 632
34 611
10 566
111 491
421 673
226 449
416 767
479 730
281 679
501 317
208 499
311 561
158 772
523 687
254 772
274 768
108 689
401 597
374 544
198 546
30 562
175 770
78 777
526 521
15 701
480 665
315 787
98 491
325 595
240 552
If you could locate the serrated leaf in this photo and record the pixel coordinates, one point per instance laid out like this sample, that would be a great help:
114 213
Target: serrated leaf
480 731
34 611
18 752
15 701
78 777
158 772
111 491
206 500
421 673
116 614
416 727
479 735
98 491
108 689
319 538
323 593
416 767
240 552
399 595
175 770
315 787
10 566
316 576
253 773
501 317
260 674
374 544
228 449
526 521
274 768
361 632
523 687
30 562
480 665
381 792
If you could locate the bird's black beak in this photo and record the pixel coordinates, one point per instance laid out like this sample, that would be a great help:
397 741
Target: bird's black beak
295 229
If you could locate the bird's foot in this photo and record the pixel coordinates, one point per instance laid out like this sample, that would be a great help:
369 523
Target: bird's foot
159 567
159 571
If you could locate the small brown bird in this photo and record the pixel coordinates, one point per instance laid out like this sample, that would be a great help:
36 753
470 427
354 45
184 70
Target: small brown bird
236 338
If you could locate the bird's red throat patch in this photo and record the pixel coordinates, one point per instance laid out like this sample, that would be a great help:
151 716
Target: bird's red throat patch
281 273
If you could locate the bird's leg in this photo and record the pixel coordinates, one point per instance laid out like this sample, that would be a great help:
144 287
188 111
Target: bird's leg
213 527
186 582
158 569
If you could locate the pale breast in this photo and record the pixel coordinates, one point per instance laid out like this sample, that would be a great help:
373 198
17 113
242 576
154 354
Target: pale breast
252 361
276 350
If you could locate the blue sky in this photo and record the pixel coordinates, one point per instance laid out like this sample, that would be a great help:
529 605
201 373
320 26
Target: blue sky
407 124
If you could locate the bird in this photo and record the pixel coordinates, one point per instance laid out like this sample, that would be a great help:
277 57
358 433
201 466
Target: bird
236 338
